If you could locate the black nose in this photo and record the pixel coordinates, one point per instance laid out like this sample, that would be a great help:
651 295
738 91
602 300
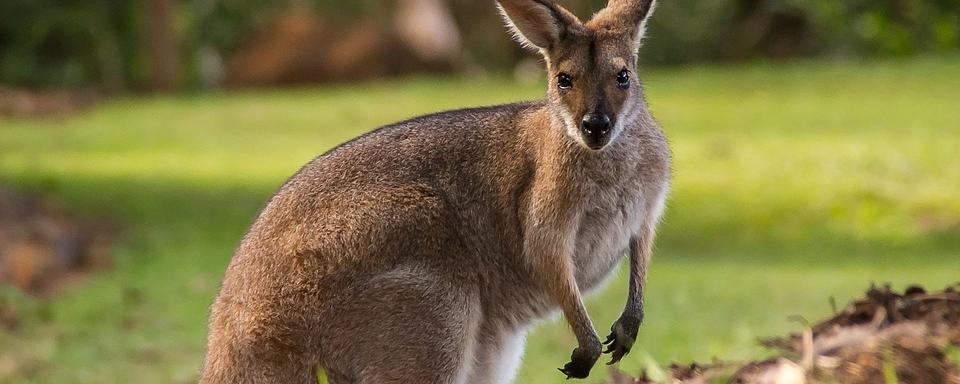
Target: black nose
596 127
596 124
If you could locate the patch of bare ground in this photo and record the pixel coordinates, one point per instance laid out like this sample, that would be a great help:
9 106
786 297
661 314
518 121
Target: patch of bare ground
883 337
43 248
38 103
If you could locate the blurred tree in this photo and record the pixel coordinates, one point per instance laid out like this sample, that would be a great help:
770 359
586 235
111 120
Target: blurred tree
162 43
60 43
101 43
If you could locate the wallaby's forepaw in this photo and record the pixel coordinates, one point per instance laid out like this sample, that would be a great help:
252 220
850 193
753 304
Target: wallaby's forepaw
581 361
623 334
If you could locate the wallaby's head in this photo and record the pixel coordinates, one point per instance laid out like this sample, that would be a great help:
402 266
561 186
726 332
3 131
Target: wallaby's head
593 88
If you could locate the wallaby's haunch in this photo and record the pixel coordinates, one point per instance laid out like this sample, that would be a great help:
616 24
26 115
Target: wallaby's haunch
423 252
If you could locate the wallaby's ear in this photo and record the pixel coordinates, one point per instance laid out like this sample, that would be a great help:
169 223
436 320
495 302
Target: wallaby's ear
629 16
538 24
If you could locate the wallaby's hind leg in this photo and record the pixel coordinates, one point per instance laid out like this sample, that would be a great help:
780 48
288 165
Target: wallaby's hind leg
404 326
237 361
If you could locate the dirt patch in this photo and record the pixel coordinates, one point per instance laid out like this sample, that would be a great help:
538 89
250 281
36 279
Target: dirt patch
883 337
43 248
38 103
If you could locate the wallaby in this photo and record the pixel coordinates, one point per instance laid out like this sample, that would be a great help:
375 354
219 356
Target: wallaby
423 252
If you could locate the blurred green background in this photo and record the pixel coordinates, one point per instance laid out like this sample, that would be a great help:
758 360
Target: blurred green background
120 45
817 150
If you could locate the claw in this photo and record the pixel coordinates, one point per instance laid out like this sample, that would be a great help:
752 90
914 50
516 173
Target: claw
618 342
615 359
581 362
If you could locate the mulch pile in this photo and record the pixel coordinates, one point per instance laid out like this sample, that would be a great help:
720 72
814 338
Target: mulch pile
42 247
883 337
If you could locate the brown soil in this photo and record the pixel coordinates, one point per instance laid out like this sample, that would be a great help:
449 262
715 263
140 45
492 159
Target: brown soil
883 337
34 103
43 248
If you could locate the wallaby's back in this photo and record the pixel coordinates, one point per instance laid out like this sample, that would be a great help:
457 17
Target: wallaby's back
461 164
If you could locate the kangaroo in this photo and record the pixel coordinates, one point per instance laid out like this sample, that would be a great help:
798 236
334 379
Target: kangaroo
424 251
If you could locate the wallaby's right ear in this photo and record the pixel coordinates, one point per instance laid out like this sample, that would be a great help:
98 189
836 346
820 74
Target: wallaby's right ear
538 24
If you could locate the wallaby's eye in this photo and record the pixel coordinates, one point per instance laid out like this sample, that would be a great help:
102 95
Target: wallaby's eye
623 79
564 81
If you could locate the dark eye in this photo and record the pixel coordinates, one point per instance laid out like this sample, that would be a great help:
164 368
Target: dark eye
564 81
623 79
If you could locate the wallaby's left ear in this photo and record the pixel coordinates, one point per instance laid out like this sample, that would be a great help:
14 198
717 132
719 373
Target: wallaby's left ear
539 24
628 16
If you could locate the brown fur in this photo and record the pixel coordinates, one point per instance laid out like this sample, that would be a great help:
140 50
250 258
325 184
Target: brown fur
422 252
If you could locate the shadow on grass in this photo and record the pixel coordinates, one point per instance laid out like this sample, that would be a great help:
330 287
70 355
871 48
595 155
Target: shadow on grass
176 214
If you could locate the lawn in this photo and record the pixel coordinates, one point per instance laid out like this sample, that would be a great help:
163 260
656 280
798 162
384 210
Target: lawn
794 183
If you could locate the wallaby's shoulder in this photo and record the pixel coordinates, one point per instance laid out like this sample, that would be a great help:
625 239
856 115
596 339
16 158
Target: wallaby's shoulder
470 117
457 121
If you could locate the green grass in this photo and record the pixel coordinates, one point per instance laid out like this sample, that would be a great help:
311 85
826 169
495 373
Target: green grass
794 183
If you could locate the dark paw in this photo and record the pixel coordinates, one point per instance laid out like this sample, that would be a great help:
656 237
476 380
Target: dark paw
581 361
623 334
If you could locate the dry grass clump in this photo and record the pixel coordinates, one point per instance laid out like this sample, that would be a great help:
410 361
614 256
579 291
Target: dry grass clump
883 337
